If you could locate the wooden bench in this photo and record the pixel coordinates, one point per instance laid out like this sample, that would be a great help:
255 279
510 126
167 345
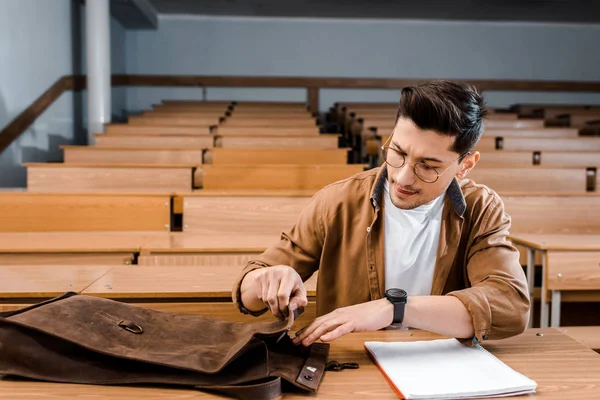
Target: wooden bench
266 122
538 144
546 158
219 156
145 130
577 120
532 179
162 142
274 142
274 176
190 249
72 248
285 131
257 214
64 212
547 111
160 120
131 155
73 177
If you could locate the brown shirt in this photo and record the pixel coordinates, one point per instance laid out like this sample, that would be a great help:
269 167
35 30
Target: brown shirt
340 233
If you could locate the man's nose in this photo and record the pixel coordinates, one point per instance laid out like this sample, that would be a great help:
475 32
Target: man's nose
404 176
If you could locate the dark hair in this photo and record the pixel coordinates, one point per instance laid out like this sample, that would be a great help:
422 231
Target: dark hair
448 108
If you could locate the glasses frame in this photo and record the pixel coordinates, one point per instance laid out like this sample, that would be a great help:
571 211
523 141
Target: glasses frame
385 147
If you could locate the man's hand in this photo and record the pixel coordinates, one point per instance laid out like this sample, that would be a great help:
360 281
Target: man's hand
369 316
277 287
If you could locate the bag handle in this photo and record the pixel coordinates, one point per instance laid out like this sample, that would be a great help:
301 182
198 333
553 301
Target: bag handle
265 390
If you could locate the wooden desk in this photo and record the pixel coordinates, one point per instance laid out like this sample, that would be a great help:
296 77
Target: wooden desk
569 262
173 282
561 367
44 281
69 248
181 248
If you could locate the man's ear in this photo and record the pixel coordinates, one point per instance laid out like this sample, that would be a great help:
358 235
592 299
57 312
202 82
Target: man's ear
468 163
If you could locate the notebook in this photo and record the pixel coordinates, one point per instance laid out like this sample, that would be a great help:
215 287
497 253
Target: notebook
446 369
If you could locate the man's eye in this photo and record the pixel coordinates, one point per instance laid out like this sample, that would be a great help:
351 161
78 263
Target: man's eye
428 167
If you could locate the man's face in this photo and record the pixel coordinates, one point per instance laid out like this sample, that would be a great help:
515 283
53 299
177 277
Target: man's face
407 191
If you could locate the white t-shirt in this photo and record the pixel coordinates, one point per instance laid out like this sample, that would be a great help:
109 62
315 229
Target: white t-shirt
411 242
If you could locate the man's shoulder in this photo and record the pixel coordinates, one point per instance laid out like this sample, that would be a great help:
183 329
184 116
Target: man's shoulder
479 197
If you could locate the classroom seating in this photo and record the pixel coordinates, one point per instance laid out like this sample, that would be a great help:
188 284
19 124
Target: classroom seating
65 212
74 177
145 130
131 155
274 142
155 141
219 156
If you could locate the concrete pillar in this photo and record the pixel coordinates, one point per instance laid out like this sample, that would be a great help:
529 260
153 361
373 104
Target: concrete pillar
97 40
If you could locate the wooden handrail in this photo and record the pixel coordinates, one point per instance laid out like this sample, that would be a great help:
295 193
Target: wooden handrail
20 124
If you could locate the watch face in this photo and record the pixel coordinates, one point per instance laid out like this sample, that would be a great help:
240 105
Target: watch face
397 293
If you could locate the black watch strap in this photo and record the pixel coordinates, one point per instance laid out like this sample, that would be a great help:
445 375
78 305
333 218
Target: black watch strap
399 312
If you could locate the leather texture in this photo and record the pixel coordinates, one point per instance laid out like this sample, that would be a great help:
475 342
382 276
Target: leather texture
83 339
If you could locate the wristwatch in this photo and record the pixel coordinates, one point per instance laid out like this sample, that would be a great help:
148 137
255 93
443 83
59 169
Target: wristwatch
398 298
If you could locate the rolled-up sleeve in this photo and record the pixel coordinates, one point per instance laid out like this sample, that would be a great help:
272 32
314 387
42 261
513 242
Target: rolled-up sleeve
300 248
498 297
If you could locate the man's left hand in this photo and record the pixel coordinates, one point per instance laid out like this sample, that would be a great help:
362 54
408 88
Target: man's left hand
369 316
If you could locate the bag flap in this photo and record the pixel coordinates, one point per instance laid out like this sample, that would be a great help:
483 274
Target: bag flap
189 342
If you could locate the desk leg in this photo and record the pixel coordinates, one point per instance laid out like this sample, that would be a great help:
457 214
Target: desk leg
555 322
530 284
544 306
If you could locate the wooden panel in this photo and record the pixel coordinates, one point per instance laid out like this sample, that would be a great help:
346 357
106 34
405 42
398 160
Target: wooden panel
163 142
588 336
279 177
547 214
583 159
531 179
296 122
123 129
541 144
198 260
115 155
220 156
151 120
71 213
68 178
508 158
232 215
228 311
172 282
573 270
31 281
559 241
534 133
517 124
319 142
225 130
211 244
66 258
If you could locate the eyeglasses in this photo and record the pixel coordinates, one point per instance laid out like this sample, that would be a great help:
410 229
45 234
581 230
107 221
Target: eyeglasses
424 172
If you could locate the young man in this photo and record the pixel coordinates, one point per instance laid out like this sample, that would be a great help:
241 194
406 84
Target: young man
414 226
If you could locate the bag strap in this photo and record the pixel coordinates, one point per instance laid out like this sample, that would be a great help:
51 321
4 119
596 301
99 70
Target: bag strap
266 390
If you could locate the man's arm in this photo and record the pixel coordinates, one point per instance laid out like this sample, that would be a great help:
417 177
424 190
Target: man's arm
496 305
289 262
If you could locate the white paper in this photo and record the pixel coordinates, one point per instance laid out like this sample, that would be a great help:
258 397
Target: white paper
447 369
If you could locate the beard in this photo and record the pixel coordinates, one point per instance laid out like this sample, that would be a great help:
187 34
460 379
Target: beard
416 199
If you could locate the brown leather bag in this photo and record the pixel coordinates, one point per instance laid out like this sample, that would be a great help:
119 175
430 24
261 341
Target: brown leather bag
82 339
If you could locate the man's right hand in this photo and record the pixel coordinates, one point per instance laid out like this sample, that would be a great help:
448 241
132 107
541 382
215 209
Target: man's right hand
279 288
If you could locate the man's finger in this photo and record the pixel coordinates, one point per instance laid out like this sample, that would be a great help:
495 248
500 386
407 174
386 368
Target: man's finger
272 299
338 332
284 294
322 329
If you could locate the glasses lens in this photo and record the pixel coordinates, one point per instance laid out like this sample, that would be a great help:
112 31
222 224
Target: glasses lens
426 173
393 158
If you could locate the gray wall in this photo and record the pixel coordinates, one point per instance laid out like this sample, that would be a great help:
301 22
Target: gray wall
35 50
360 48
